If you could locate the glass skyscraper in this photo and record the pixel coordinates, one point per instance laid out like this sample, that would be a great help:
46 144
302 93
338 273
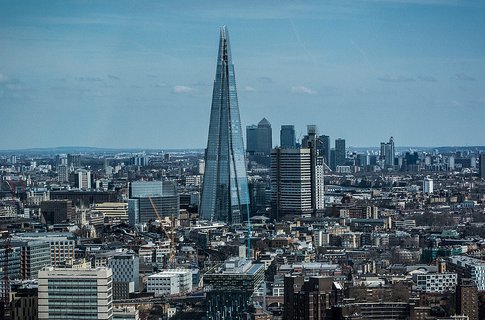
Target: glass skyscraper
225 195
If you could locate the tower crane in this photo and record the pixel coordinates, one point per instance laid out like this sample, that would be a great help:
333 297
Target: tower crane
172 236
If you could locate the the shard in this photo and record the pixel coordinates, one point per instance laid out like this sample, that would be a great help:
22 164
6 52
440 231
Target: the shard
225 195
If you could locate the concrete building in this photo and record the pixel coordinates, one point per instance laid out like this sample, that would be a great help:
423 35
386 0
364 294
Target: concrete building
171 281
428 185
467 299
436 282
56 211
482 165
296 182
113 209
75 294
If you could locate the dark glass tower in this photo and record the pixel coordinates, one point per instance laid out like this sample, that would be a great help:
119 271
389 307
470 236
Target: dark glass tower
225 195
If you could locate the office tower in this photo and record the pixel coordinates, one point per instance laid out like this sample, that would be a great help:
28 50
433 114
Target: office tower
225 195
427 185
339 152
125 267
145 195
325 149
62 173
83 179
467 299
296 182
230 287
75 294
56 211
259 142
388 152
74 160
287 137
482 165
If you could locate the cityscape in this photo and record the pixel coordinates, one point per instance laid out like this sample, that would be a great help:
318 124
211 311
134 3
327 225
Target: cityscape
306 217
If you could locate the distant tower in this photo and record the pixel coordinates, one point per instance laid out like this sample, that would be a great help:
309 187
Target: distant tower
225 195
259 142
287 137
428 185
482 165
339 152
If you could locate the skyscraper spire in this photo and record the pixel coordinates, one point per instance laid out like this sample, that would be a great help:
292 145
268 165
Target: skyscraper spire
225 195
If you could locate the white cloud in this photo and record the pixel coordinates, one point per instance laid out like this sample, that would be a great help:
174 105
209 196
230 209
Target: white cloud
302 90
249 89
182 89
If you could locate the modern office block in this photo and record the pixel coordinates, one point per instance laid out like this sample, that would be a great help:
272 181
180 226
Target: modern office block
339 152
145 195
287 137
296 182
125 267
172 281
230 287
468 268
75 294
225 195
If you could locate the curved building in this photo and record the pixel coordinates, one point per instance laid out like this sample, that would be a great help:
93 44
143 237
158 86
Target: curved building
225 195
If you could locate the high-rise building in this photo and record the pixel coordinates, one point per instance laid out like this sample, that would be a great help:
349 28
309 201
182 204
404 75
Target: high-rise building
230 287
75 294
482 165
388 152
225 195
259 138
339 152
296 182
259 142
287 137
83 179
325 148
74 160
144 195
427 185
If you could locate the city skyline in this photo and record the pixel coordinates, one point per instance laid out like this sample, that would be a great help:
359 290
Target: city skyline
120 75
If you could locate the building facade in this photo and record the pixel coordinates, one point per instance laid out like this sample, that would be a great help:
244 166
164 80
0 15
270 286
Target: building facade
230 287
225 195
75 294
171 281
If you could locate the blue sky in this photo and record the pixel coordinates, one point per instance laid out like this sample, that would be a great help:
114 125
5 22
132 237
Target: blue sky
139 73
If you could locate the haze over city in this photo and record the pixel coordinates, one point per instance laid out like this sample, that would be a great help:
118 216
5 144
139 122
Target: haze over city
139 74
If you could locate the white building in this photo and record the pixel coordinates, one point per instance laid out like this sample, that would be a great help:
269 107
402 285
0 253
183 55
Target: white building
172 281
436 282
428 185
75 294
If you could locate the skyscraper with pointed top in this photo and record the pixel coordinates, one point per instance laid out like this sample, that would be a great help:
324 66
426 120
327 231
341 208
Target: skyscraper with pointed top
225 195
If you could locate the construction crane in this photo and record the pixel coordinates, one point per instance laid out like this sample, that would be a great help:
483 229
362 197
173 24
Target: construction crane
172 237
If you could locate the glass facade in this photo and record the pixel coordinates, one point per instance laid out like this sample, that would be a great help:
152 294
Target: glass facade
225 195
